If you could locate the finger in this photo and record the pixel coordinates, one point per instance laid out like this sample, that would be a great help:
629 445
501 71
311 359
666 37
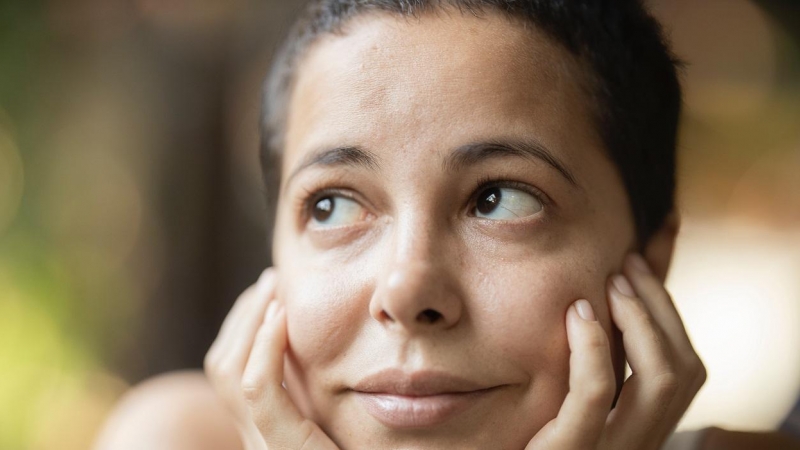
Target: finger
647 395
582 417
244 333
273 411
647 348
243 309
652 292
233 316
226 360
262 288
660 304
687 366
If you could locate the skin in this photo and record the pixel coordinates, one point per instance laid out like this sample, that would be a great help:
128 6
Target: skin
525 305
409 93
345 301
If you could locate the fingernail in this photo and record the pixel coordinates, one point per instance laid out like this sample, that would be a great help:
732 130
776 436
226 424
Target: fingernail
623 285
639 263
584 309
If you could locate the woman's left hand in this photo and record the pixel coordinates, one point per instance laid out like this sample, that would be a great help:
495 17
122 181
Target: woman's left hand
667 373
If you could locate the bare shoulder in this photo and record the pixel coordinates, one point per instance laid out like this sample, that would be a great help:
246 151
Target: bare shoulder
176 411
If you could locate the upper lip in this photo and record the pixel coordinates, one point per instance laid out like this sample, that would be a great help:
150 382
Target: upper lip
416 384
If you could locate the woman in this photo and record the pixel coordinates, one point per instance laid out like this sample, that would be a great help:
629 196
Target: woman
474 221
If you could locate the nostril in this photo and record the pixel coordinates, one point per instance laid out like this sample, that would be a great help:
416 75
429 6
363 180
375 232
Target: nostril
429 316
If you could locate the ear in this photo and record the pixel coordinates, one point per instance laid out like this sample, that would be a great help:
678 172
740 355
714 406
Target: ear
658 250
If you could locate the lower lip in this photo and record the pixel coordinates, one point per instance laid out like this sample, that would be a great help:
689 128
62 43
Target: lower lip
399 411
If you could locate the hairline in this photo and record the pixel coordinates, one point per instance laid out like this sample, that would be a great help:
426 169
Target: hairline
581 69
622 121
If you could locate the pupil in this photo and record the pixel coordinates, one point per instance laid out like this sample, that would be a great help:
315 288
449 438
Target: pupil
323 209
489 200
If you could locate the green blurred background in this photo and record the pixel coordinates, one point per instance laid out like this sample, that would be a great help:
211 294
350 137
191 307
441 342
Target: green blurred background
132 212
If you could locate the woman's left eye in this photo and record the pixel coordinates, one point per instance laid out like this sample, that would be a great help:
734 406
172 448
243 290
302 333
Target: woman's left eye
502 203
336 210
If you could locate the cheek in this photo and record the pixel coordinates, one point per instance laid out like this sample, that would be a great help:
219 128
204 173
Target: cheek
525 307
322 311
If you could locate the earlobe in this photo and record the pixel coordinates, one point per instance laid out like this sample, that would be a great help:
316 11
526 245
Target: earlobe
658 250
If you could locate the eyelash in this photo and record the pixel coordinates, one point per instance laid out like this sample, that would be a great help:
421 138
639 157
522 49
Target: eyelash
311 196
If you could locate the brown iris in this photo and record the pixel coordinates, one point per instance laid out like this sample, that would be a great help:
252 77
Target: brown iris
488 200
323 209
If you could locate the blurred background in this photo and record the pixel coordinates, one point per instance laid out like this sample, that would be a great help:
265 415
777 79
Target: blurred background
132 211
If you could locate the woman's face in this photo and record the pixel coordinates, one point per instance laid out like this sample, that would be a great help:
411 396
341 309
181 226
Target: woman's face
445 198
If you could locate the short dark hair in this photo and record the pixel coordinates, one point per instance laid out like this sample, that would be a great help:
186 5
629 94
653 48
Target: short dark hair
634 85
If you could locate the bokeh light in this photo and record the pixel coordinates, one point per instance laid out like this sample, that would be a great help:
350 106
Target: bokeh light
11 174
740 306
731 54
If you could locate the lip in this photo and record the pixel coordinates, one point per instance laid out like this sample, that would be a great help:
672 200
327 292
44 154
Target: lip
420 399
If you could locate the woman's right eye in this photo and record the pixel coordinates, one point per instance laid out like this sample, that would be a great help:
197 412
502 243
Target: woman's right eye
336 210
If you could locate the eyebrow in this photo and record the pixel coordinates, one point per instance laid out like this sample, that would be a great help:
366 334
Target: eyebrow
471 154
338 156
461 157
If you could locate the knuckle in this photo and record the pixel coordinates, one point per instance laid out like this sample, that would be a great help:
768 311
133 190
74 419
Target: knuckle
666 386
599 393
699 371
211 370
597 341
208 364
635 309
250 290
225 372
652 331
702 374
640 312
695 370
252 389
247 294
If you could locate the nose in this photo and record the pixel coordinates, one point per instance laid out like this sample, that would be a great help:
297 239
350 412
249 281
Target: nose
416 296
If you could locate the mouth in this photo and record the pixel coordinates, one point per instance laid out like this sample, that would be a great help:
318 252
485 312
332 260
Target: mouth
420 399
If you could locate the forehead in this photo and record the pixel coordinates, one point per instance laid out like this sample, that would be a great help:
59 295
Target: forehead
413 91
450 74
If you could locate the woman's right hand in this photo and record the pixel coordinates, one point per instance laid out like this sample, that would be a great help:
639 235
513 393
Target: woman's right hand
245 367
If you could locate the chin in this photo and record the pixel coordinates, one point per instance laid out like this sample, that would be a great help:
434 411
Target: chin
377 439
